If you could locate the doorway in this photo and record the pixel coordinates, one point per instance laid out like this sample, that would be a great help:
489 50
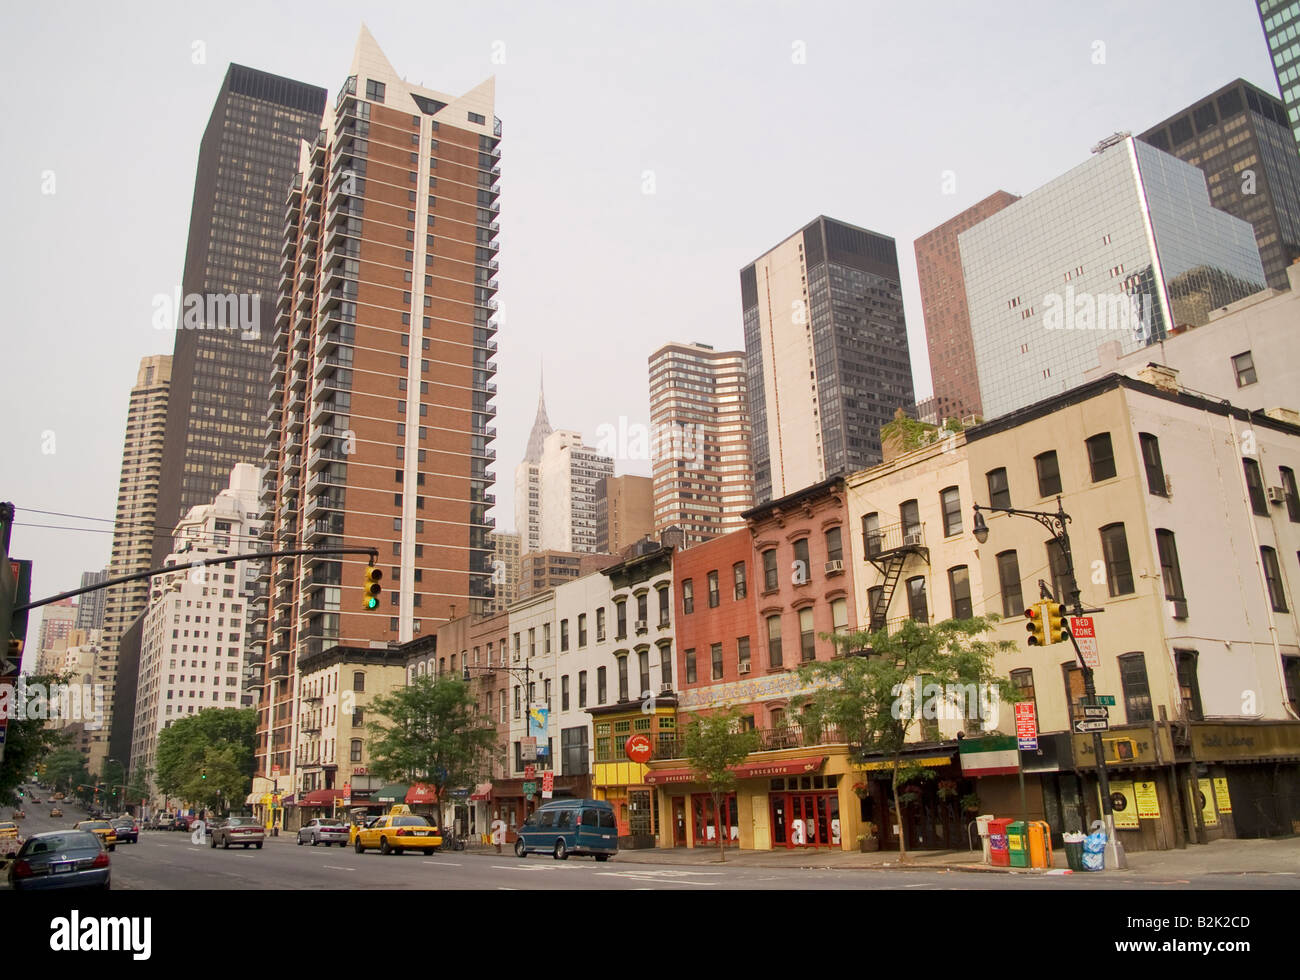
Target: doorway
679 821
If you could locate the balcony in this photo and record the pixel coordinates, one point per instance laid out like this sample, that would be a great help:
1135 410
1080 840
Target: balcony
280 668
894 539
770 740
322 457
332 362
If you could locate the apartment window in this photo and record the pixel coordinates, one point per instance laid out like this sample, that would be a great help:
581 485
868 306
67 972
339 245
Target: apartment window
1119 571
871 541
807 635
834 545
359 681
532 642
374 91
1255 484
1049 474
1151 462
1291 671
564 693
916 604
643 672
666 665
1022 680
839 615
688 596
355 753
1060 573
664 606
582 689
690 667
1013 602
909 516
738 580
643 609
714 596
1101 457
622 677
715 660
1169 569
999 491
564 635
1074 687
546 638
1243 366
574 750
1137 693
802 565
600 625
1289 488
620 613
1273 575
875 596
959 589
476 117
950 500
1188 686
516 640
774 641
742 650
770 581
358 716
582 630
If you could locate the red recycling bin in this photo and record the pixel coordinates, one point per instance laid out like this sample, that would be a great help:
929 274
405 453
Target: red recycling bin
999 847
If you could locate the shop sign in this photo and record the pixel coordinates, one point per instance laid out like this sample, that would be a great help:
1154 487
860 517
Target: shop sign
1215 742
1205 797
638 748
1222 800
1148 800
1123 805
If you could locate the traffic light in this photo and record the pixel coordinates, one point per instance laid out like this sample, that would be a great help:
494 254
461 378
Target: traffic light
371 587
203 774
1035 625
1054 622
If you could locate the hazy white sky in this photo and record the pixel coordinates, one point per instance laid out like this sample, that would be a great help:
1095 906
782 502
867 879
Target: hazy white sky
752 117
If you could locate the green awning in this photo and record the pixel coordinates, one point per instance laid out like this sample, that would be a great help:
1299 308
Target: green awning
393 793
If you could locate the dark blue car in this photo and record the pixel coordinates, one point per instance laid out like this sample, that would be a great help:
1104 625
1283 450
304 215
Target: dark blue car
564 827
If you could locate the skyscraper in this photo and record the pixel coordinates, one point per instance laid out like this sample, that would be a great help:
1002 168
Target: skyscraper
624 512
381 379
701 441
826 354
505 570
947 318
528 481
1125 247
90 605
1240 139
137 495
1281 20
569 474
221 359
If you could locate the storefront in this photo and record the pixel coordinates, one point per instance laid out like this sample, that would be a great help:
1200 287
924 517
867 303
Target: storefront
931 818
511 805
619 780
1248 777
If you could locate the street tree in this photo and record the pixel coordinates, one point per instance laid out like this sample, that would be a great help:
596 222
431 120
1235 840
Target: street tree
29 742
430 732
715 743
65 769
221 740
871 699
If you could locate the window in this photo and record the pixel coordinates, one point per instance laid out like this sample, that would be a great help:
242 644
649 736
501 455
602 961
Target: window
1188 686
840 615
1169 570
1291 671
959 589
909 516
1119 572
715 660
601 685
622 677
1243 366
532 642
714 596
742 650
774 641
999 491
476 117
643 672
1013 603
1049 474
1074 688
666 665
1060 572
807 635
688 596
770 582
1101 457
1023 682
582 689
374 91
1292 498
600 625
564 693
690 667
564 635
359 681
916 605
1151 461
643 610
1255 484
358 716
802 567
738 579
1137 693
582 630
1273 575
950 501
620 612
875 596
355 753
574 752
518 701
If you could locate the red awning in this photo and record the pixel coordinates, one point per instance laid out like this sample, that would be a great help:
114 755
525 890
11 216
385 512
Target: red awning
421 793
320 797
670 776
483 791
783 767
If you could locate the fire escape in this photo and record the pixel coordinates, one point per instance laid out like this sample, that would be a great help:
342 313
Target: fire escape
888 549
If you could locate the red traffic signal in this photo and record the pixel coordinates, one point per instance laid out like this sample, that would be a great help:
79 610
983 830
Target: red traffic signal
1034 626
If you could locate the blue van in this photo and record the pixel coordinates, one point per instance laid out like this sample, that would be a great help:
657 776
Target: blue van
564 827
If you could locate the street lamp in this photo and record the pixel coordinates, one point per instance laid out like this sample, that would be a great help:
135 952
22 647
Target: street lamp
1056 524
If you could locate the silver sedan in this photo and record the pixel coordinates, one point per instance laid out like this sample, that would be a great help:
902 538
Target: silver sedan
323 831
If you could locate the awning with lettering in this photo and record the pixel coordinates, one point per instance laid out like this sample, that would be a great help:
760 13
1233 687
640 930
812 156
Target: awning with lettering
670 776
781 767
421 794
321 797
483 791
392 793
928 763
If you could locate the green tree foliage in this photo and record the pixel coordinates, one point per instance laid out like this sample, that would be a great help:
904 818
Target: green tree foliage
220 740
430 732
715 743
870 699
65 770
28 744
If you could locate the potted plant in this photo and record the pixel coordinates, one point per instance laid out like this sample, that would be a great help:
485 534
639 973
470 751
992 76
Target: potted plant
970 803
867 840
947 789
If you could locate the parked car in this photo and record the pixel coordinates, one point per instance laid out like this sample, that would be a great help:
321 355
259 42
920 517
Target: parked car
127 829
324 831
18 815
61 859
180 822
10 840
57 796
564 827
398 832
238 830
101 829
55 812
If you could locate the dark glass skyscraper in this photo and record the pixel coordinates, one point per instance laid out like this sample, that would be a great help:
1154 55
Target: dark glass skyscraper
825 352
220 370
1281 20
1240 139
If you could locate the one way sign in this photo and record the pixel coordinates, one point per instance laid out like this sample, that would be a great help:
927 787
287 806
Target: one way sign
1082 727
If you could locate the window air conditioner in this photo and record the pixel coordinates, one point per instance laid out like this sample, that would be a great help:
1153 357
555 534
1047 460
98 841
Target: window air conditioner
744 668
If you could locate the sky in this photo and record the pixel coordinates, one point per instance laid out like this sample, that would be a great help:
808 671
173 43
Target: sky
649 153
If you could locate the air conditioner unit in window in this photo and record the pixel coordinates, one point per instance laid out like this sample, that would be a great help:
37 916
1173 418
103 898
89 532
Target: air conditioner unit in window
912 538
665 688
837 565
1276 495
744 667
1177 608
1169 485
640 625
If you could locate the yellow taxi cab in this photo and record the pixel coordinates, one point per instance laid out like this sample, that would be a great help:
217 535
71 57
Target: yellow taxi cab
398 831
101 829
8 832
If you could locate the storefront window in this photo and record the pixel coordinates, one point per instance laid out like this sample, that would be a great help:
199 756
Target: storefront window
708 825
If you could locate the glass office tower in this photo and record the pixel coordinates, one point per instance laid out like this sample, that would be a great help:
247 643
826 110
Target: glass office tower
1281 20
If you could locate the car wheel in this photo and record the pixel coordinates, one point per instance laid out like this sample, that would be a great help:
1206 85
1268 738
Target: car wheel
315 842
258 845
602 857
519 849
561 851
225 845
300 842
383 846
213 843
245 847
358 848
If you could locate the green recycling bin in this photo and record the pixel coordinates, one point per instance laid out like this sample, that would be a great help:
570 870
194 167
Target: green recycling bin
1018 844
1074 852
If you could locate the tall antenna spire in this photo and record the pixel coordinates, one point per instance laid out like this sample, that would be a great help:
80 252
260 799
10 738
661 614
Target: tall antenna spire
541 424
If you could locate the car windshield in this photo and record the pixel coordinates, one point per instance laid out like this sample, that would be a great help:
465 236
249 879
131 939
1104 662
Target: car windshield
59 843
240 822
410 822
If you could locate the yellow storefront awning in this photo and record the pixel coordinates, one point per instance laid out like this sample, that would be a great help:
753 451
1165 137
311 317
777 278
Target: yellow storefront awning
939 760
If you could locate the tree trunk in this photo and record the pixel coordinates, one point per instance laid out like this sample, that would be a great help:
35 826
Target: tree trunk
717 818
903 857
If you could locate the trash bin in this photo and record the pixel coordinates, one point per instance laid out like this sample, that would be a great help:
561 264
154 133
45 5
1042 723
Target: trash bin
982 826
1094 848
998 849
1040 844
1018 844
1074 850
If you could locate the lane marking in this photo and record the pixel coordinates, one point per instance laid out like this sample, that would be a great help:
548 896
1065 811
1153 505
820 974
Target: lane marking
447 864
335 867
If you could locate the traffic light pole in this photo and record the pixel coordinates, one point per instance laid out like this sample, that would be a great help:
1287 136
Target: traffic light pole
1056 524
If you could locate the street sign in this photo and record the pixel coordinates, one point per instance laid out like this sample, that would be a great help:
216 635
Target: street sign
1085 634
530 772
530 790
1092 725
1097 711
548 784
528 748
1108 699
1026 726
